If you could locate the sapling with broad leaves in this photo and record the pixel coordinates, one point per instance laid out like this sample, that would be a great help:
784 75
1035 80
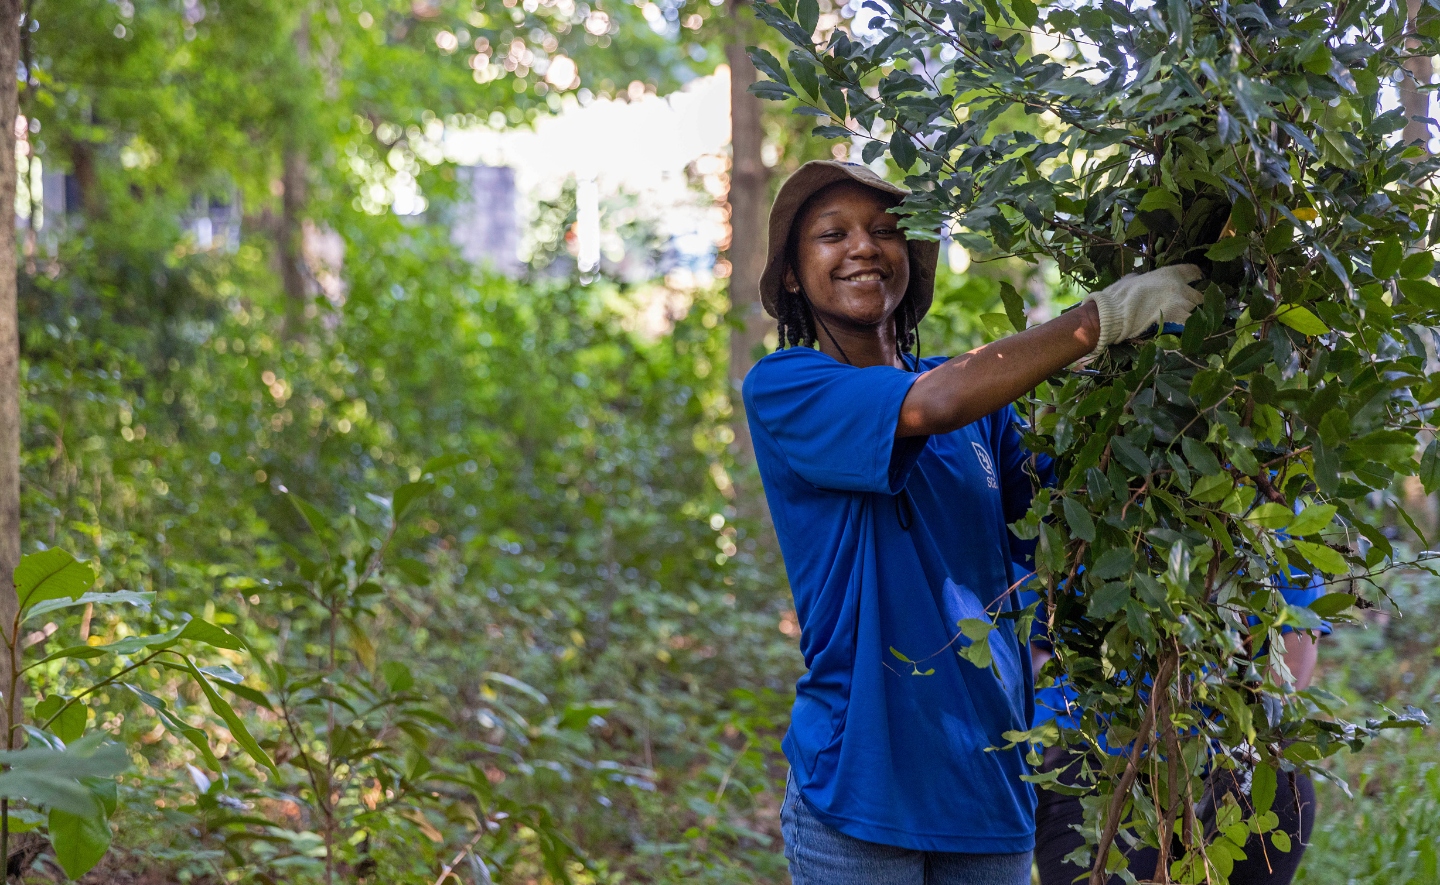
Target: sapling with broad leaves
1201 468
65 778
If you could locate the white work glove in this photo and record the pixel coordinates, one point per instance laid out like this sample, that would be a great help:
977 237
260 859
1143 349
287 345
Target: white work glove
1135 302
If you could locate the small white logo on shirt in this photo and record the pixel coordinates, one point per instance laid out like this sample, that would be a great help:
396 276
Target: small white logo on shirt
983 457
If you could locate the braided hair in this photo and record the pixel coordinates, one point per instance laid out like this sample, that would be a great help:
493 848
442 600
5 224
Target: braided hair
796 323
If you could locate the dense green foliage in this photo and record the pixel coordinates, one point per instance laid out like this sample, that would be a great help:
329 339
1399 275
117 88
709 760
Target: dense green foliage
1199 469
467 558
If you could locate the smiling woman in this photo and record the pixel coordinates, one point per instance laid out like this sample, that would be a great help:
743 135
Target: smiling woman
848 261
891 480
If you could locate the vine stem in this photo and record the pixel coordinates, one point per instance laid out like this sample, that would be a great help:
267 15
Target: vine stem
1173 803
1116 809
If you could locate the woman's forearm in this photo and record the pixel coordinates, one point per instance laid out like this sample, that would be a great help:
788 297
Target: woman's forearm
1302 651
973 385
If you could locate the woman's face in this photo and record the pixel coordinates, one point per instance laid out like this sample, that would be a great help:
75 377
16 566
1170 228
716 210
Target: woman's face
852 260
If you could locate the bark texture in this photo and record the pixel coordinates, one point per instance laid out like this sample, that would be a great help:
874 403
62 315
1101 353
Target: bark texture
1416 102
9 356
288 240
749 188
294 172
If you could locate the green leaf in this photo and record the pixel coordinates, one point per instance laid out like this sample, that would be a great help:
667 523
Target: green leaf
1131 455
416 571
808 80
1113 563
1392 447
1108 600
1417 265
397 676
1026 12
1322 557
1014 305
807 13
1212 488
69 725
1160 198
79 840
200 630
51 574
1430 467
1200 456
897 654
1331 604
1422 292
522 687
1315 518
976 649
441 462
771 91
1228 249
197 738
1302 320
1385 259
903 150
1271 515
1281 840
408 494
1079 519
1210 386
311 514
113 597
1262 788
83 652
238 731
52 778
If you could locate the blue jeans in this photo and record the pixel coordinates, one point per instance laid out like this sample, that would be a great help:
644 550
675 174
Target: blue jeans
821 855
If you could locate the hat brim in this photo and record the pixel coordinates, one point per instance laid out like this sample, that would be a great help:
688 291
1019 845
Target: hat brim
804 184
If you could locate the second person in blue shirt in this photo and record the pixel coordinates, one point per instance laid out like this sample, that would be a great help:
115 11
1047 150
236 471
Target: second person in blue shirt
891 480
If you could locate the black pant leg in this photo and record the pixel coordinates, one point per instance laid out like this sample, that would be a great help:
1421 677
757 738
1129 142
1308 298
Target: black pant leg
1056 816
1264 864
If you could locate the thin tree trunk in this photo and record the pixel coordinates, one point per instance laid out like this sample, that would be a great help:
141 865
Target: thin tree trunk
749 188
1416 102
9 365
295 169
288 237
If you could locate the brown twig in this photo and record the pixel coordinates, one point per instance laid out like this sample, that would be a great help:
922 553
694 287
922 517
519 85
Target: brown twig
1116 809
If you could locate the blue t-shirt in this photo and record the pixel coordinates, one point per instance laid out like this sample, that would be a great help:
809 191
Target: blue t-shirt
888 544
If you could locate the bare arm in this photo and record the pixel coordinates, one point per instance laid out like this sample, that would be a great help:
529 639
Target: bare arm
973 385
1302 650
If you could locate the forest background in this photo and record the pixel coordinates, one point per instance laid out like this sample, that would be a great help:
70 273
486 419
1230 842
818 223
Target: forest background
497 597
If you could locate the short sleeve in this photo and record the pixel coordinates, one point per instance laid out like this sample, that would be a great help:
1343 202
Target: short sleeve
834 424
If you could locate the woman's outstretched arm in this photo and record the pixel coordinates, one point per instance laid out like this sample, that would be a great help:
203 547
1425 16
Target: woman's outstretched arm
972 385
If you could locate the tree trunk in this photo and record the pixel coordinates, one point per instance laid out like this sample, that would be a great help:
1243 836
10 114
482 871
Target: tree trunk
1415 102
295 169
288 234
9 360
749 188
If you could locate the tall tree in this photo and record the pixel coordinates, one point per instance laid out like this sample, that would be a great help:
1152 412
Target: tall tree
9 355
749 188
1414 98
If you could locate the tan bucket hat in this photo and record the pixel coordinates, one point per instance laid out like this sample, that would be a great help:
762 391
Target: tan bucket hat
800 187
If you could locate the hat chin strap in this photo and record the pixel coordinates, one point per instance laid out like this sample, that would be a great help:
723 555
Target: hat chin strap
821 320
843 355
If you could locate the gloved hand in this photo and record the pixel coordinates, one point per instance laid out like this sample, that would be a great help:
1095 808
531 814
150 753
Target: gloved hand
1135 302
